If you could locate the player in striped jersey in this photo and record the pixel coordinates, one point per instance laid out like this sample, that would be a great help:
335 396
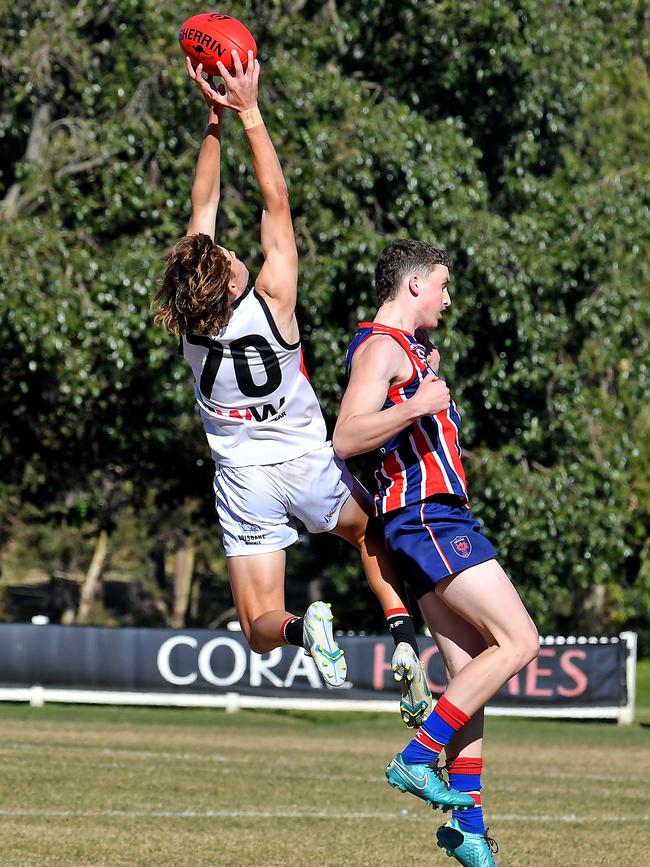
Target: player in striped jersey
474 612
261 417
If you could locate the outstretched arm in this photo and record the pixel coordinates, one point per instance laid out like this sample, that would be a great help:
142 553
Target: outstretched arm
278 278
206 189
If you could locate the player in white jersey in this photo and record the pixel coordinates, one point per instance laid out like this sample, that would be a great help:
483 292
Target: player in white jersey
261 416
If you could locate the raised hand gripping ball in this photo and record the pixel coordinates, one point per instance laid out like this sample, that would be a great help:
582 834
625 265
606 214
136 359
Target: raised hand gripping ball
210 37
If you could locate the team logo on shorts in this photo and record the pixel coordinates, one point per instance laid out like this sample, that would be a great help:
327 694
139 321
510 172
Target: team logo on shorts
462 546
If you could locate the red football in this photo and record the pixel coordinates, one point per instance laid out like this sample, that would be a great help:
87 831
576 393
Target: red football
210 37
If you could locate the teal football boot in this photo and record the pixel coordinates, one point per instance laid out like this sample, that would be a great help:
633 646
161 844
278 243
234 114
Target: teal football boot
416 702
472 850
426 782
319 642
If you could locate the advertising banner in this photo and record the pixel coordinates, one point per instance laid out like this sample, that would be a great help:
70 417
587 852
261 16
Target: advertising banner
568 674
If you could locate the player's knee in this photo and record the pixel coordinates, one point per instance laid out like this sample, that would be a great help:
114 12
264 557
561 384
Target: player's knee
257 646
352 534
532 645
355 539
527 646
373 538
255 642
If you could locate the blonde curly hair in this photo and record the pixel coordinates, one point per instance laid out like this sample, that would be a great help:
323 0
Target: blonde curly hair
193 294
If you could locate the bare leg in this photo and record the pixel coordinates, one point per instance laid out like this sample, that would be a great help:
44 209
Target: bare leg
485 636
458 642
257 582
485 598
355 527
365 534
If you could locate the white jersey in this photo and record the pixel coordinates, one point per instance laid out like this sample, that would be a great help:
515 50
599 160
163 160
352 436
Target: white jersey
256 402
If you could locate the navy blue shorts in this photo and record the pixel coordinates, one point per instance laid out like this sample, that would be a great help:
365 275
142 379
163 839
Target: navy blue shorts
433 539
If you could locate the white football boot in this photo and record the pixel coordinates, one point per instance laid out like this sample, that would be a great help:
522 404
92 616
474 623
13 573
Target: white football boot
318 640
416 702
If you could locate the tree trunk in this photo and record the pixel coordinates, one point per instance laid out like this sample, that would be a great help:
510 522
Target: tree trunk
36 146
195 600
183 571
91 584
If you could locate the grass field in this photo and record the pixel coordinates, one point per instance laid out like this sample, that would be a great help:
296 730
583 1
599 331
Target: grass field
113 786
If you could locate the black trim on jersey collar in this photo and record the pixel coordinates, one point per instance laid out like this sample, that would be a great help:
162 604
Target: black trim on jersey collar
272 325
234 304
239 300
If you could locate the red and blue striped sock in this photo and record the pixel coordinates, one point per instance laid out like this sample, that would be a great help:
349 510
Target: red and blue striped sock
435 733
465 776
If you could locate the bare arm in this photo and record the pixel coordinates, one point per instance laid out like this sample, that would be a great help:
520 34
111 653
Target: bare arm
362 424
278 278
206 188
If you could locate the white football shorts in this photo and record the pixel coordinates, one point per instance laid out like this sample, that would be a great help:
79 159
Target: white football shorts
257 505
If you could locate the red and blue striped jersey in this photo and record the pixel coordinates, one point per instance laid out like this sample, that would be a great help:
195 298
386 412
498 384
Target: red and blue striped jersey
425 458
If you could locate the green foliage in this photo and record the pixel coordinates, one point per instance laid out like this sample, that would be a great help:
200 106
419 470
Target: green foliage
512 134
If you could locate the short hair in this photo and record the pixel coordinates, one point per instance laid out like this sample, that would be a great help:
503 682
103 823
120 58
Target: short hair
193 294
400 258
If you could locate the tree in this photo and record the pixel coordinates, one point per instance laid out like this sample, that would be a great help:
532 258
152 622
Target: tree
511 135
